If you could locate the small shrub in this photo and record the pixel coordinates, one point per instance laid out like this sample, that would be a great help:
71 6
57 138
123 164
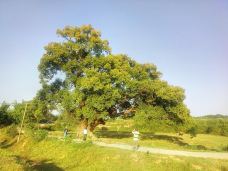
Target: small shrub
180 133
38 135
12 131
225 148
192 131
209 129
58 126
31 126
197 147
104 128
201 147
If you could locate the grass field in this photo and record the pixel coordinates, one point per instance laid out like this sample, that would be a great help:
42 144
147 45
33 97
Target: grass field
52 154
119 131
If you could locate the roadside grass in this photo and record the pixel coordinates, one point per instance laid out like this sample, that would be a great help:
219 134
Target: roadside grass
53 154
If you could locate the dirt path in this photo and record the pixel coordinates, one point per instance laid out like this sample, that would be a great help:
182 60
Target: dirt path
214 155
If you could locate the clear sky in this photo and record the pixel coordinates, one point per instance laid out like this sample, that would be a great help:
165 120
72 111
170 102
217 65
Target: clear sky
187 40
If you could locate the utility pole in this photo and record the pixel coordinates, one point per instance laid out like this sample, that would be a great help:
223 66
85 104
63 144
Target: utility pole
22 122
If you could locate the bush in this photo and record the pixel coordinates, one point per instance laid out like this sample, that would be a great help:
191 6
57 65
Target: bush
225 148
63 121
104 128
209 129
149 119
58 126
192 131
38 135
12 131
5 118
212 126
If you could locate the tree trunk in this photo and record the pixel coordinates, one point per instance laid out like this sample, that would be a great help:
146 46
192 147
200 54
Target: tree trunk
96 122
89 126
92 126
82 125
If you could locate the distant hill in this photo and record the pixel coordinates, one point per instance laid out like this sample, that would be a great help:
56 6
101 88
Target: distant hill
217 116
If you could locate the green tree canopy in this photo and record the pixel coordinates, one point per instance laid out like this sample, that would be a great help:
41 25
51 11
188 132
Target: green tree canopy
82 76
4 114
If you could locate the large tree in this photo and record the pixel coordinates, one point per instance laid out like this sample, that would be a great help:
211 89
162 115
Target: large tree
91 84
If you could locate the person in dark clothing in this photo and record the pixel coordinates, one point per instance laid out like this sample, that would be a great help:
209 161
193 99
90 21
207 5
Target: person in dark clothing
65 132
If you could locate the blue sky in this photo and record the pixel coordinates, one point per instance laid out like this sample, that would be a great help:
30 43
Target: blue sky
187 40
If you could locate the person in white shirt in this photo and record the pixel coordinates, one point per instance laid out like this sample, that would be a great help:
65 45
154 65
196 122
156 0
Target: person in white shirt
85 134
136 133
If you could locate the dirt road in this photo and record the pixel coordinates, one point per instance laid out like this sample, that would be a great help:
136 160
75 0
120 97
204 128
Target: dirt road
214 155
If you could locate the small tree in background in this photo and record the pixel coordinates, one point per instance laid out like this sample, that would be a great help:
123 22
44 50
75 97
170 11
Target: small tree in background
5 118
192 131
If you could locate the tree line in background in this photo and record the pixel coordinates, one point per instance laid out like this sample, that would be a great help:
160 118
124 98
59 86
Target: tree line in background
12 114
216 126
83 81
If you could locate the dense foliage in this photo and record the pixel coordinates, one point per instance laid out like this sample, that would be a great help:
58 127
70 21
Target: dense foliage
212 126
82 77
4 114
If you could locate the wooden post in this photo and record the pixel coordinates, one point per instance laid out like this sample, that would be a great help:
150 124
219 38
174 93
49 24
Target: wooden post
18 138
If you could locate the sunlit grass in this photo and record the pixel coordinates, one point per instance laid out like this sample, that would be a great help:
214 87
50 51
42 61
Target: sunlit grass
119 131
53 154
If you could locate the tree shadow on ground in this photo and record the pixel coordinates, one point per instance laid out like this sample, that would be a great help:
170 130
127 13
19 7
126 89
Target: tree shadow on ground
113 134
42 165
175 140
169 138
7 144
149 136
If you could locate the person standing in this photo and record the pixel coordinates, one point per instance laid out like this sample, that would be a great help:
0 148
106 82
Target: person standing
65 132
136 133
85 134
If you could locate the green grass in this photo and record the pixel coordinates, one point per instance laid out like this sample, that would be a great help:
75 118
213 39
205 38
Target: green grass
52 154
8 161
202 142
119 131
